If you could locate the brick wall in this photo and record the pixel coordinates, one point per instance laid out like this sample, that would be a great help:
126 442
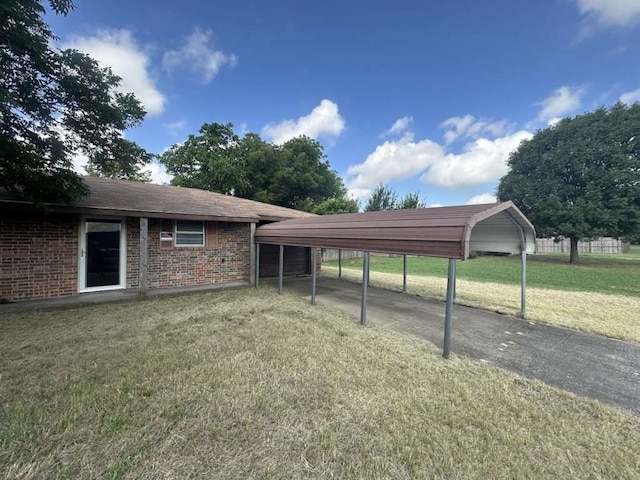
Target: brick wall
225 258
38 255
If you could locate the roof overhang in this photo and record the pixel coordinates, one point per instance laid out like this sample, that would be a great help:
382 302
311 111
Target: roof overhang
120 212
449 232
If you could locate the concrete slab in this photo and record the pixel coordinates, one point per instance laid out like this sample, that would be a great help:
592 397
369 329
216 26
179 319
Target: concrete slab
108 296
589 365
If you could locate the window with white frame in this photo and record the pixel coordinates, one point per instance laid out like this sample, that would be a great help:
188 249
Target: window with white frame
189 233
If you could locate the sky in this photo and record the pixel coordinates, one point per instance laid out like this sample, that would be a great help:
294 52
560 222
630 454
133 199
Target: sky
427 97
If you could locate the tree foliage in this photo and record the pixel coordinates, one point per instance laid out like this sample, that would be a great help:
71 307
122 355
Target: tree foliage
410 200
384 197
334 206
55 104
295 174
581 177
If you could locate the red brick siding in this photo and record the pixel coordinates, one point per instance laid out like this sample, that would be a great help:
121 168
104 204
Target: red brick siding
228 261
38 255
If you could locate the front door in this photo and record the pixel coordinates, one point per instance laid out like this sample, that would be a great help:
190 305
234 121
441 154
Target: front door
102 254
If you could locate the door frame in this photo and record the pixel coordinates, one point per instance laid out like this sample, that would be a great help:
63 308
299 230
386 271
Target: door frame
82 258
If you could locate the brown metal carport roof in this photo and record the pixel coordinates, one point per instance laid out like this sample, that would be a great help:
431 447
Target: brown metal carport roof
449 232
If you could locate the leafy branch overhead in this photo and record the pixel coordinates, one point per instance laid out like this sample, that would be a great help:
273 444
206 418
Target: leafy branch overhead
57 104
295 174
581 177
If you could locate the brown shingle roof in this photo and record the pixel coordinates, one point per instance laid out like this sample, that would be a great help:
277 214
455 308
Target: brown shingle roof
135 199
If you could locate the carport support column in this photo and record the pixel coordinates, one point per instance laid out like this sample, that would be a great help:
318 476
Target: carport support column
257 270
144 255
451 281
523 285
404 274
281 269
365 283
314 267
339 264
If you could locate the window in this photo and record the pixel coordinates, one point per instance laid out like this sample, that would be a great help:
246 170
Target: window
189 233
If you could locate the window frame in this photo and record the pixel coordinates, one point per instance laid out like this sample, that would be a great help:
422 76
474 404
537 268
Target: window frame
201 233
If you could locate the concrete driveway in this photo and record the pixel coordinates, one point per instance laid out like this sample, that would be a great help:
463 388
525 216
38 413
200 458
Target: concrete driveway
585 364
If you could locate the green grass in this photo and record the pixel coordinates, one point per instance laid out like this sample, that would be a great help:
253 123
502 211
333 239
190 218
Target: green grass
610 274
249 384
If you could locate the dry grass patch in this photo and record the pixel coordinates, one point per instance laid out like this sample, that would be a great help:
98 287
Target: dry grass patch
248 384
613 316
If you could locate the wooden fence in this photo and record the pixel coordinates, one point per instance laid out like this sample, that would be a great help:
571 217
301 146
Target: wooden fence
599 245
329 254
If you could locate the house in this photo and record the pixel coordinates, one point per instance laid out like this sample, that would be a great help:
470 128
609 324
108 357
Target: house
130 235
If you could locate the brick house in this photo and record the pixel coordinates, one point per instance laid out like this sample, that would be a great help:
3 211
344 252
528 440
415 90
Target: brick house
129 235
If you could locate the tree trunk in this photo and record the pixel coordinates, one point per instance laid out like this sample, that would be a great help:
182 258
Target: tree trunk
573 256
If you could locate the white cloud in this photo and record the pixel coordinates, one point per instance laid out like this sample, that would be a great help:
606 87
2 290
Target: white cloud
470 127
393 160
118 49
561 102
324 120
176 128
482 161
610 13
79 163
399 126
197 56
482 198
630 97
158 173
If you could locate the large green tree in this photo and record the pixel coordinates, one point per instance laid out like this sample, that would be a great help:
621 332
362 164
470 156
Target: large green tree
580 178
295 174
55 104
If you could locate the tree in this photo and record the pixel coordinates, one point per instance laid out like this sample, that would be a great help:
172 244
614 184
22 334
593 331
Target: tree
109 164
581 177
55 104
209 161
409 201
334 206
295 174
382 198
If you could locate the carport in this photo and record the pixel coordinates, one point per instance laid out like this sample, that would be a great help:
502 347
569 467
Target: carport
447 232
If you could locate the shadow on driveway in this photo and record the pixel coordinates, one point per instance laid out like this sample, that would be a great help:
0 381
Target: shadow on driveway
585 364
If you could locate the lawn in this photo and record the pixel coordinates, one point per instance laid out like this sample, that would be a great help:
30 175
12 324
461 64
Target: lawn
609 274
248 384
601 295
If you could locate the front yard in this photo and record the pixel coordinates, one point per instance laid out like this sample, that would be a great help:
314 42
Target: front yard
248 384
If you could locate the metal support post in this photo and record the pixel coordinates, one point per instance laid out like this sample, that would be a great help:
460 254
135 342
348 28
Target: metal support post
340 264
281 269
314 267
523 285
404 274
365 282
451 281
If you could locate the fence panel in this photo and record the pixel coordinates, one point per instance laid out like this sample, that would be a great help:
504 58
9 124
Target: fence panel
599 245
329 254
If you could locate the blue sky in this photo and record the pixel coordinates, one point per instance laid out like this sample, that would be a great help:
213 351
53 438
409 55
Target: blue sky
428 96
